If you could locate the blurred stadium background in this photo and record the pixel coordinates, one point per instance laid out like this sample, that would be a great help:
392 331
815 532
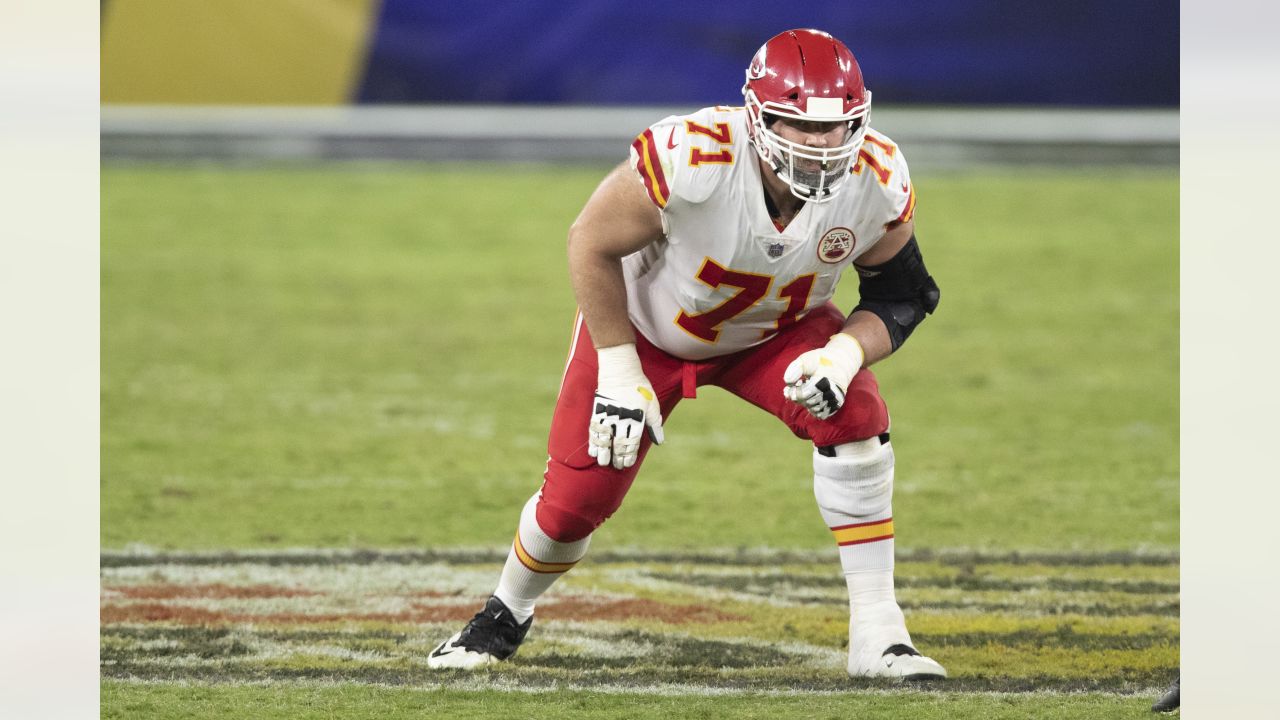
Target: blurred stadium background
991 81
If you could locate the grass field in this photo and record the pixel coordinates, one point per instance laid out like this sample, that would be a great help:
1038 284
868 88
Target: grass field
326 392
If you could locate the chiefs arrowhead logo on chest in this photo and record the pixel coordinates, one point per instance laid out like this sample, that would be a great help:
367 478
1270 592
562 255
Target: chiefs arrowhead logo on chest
836 245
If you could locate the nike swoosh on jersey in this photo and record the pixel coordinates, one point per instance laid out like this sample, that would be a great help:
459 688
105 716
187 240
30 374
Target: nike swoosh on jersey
671 140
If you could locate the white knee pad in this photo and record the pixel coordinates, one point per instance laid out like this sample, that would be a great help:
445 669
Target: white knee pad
857 482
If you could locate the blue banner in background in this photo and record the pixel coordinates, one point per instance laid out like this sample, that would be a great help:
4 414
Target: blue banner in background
1007 52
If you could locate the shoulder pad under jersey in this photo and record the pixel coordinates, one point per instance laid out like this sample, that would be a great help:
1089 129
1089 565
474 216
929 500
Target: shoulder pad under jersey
881 175
686 157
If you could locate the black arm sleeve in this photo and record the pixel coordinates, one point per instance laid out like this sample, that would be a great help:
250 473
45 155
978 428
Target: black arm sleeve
900 292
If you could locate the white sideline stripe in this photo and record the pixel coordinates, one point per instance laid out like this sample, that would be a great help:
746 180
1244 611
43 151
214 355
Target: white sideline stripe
1017 125
519 685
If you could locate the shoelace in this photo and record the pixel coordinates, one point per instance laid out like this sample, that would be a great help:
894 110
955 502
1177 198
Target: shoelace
484 621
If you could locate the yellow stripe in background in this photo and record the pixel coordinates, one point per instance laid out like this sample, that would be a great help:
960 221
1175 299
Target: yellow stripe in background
219 52
859 533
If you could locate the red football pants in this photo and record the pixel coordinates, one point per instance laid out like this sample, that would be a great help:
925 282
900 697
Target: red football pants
578 495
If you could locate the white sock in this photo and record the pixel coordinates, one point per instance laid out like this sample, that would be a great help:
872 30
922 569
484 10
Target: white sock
534 563
854 491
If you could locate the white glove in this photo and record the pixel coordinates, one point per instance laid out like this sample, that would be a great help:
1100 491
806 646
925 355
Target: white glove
818 379
624 404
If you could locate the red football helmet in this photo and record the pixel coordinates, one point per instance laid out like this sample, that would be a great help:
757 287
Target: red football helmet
806 75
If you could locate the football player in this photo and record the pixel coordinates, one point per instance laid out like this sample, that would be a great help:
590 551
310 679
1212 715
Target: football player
709 257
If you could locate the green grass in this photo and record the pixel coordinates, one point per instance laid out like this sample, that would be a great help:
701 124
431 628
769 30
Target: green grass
366 356
289 702
369 356
723 622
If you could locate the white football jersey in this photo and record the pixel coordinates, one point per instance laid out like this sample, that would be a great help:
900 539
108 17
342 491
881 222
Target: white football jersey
724 277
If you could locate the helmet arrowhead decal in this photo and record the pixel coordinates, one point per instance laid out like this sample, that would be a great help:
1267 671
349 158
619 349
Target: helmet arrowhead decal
756 71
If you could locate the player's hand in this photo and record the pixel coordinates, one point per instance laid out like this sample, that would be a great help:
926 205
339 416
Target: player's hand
819 379
625 404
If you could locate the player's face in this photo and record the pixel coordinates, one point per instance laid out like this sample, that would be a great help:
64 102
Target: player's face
812 134
815 135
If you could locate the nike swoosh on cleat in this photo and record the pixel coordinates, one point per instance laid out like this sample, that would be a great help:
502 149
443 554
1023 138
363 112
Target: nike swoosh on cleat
441 652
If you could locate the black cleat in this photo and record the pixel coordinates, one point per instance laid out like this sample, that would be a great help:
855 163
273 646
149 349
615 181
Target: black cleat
1171 698
491 636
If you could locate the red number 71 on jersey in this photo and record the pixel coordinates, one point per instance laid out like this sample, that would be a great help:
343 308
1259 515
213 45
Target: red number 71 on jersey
751 288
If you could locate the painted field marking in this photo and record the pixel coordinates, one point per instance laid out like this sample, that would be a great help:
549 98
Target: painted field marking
723 621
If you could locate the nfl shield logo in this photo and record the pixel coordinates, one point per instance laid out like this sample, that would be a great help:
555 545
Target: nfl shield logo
775 250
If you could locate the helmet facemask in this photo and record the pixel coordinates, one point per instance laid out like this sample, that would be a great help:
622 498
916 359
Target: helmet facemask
813 174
